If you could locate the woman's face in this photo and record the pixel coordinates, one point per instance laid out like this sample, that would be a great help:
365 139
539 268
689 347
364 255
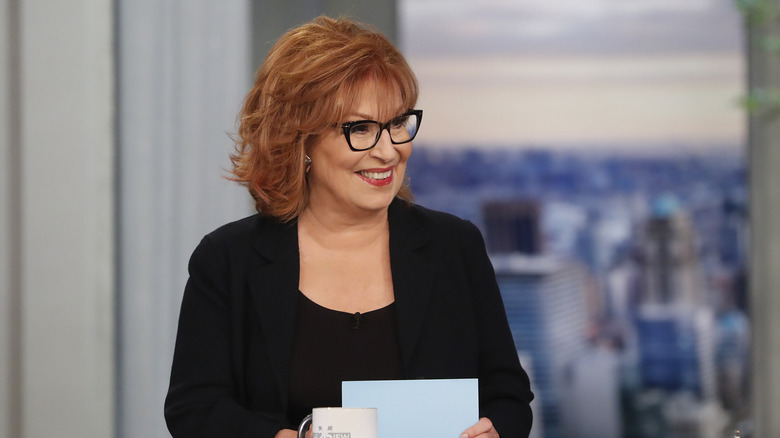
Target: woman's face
358 182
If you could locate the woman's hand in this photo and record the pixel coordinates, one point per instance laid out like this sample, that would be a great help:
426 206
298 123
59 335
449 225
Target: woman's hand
289 433
483 429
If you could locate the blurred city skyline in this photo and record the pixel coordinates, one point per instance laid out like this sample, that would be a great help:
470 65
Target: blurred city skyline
600 147
621 75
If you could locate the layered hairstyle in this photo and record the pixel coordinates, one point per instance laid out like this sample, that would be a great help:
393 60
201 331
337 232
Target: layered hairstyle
309 82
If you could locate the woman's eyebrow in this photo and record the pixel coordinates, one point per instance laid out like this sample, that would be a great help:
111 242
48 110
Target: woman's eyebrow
360 115
363 116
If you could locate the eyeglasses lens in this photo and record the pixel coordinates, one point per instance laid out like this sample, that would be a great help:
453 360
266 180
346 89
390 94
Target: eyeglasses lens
402 129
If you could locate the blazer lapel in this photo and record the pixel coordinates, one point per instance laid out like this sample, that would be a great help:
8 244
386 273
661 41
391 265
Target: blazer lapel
274 285
413 276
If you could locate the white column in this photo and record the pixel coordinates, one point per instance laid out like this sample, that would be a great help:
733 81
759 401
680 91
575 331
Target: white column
56 219
9 223
183 72
764 174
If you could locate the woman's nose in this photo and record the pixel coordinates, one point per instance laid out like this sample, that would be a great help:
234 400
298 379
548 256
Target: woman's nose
384 149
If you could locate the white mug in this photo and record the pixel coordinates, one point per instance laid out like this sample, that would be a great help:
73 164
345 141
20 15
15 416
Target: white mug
340 423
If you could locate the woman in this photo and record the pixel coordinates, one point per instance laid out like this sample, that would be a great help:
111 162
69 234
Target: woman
339 276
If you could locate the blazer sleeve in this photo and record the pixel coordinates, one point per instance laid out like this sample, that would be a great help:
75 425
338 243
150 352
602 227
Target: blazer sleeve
203 400
504 387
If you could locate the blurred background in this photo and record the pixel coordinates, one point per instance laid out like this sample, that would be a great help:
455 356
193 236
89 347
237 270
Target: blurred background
621 158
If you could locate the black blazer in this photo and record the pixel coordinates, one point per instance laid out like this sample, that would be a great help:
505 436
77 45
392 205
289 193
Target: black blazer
230 374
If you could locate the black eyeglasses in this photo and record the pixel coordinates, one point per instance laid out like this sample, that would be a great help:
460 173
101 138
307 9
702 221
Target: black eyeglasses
362 135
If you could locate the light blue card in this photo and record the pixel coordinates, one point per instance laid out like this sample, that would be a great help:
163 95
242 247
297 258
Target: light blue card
440 408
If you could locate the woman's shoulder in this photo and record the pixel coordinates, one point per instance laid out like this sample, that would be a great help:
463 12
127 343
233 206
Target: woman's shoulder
437 217
237 228
242 231
439 223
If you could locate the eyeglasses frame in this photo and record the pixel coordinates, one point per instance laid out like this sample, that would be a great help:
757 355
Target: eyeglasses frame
347 126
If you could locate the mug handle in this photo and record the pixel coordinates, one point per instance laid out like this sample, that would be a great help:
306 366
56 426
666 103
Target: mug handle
304 426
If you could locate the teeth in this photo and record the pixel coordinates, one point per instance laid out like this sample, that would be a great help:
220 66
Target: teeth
376 175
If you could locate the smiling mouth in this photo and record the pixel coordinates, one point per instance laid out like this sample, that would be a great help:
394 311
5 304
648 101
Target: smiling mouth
378 179
376 175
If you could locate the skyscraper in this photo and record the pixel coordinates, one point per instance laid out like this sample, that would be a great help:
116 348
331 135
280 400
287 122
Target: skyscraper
513 226
545 304
677 349
669 258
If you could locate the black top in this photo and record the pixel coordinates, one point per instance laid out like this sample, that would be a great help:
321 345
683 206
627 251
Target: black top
331 346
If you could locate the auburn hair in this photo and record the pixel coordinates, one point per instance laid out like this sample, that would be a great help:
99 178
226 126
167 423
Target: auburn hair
310 80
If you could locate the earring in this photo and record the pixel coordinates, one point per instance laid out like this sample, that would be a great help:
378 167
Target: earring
307 162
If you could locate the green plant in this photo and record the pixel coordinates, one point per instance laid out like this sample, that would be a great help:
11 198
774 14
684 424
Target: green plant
754 11
762 21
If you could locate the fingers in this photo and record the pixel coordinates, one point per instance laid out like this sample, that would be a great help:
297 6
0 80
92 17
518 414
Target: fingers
483 429
286 433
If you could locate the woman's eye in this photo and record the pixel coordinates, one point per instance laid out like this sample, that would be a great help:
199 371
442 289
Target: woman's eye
399 122
361 129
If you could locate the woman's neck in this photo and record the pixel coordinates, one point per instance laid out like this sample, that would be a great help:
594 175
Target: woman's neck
334 229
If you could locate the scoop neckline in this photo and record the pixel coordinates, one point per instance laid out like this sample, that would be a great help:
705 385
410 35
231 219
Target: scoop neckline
343 312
